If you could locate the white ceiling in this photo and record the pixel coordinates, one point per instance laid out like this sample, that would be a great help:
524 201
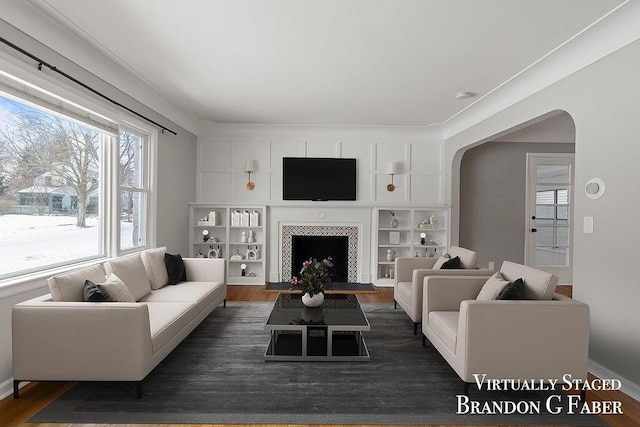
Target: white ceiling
326 62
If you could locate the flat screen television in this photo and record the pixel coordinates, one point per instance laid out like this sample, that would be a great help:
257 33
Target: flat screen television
314 178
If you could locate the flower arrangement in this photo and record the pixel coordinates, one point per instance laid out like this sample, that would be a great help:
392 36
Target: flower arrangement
314 276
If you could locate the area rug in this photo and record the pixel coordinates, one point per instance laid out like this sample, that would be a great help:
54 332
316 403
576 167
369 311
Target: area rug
218 375
333 286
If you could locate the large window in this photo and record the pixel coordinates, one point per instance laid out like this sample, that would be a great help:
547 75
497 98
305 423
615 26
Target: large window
60 179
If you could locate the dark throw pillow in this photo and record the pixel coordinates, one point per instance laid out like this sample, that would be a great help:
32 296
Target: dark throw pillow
451 264
93 293
175 268
513 291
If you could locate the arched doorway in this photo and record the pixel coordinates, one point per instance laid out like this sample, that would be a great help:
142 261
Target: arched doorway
493 217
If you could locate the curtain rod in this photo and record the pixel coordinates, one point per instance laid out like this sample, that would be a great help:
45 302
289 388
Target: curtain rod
78 82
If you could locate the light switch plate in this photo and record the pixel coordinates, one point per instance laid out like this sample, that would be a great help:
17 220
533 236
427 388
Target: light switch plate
588 224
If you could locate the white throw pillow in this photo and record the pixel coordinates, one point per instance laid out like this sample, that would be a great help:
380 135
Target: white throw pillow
70 286
492 287
438 265
116 289
130 269
153 260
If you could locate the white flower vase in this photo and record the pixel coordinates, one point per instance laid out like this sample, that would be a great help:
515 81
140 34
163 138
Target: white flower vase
315 301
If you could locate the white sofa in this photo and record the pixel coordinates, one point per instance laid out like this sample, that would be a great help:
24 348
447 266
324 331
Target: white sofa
59 337
543 336
410 274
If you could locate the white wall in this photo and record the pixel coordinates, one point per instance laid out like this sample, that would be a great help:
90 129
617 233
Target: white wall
224 149
602 101
176 187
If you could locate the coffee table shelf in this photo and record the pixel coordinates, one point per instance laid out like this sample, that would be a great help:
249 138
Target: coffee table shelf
332 332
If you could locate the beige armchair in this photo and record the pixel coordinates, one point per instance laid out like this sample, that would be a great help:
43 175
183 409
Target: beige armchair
545 336
410 274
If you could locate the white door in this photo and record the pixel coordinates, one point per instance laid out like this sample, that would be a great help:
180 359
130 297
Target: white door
549 209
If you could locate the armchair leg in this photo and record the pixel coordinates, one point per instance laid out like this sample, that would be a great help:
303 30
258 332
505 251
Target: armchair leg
466 389
424 340
583 395
224 303
415 328
395 304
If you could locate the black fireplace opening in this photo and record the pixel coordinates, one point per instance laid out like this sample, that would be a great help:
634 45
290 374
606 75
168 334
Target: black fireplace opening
321 247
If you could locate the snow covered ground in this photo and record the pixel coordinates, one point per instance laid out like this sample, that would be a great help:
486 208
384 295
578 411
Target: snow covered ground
31 241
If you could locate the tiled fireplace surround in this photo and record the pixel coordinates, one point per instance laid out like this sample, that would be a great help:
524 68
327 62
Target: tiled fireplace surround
288 231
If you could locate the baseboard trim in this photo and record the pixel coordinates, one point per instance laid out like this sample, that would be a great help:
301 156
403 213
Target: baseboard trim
6 388
628 387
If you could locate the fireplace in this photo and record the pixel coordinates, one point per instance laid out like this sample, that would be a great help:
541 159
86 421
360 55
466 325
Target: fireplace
321 247
320 241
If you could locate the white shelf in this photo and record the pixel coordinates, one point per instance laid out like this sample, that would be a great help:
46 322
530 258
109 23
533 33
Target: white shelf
230 239
246 243
409 246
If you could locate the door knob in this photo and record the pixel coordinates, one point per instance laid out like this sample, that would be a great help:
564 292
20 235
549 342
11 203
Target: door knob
533 230
533 217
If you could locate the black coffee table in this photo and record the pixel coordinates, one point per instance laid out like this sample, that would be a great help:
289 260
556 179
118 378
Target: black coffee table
332 332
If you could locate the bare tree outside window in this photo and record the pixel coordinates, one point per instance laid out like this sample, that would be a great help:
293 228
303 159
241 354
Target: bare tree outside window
38 146
49 189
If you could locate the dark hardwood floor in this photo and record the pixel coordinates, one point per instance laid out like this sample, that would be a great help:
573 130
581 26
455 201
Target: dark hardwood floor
36 395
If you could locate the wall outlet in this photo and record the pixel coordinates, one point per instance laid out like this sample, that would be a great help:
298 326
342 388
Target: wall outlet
491 265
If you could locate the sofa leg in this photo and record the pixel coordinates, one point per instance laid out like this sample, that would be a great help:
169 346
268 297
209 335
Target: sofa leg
424 340
395 304
466 389
415 328
138 389
224 303
16 389
583 395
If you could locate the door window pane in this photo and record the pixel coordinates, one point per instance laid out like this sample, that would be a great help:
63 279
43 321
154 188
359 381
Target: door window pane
552 219
551 236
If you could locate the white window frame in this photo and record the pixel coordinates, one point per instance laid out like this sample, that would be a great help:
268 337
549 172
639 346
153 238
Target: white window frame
149 177
110 189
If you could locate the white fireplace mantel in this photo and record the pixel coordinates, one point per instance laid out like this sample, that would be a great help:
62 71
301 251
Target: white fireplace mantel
357 221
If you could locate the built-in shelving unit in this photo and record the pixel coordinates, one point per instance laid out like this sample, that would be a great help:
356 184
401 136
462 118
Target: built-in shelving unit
235 233
399 234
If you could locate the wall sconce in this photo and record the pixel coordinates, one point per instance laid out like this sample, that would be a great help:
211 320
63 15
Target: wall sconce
394 167
249 167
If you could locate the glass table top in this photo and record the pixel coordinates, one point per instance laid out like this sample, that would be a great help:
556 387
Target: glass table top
336 310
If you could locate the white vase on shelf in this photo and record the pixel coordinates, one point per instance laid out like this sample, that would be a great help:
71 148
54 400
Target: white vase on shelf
389 255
